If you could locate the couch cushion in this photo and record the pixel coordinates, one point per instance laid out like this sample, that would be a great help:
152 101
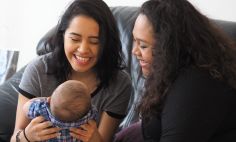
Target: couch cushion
8 103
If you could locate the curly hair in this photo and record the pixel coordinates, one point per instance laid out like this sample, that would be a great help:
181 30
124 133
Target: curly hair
110 58
184 38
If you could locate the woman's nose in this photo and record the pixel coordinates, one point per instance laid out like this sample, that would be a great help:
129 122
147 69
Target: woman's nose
83 48
135 49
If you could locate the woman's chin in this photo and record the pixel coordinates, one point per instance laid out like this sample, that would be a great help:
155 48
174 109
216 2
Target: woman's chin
145 73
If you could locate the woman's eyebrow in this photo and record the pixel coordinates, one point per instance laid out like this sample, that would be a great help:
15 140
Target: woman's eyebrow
76 34
142 40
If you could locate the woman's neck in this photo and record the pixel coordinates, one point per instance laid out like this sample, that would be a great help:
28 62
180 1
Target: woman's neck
89 78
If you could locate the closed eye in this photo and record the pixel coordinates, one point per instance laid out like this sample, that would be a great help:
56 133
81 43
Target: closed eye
144 44
94 40
141 46
74 39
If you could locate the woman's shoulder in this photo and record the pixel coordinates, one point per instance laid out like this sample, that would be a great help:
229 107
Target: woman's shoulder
122 77
121 81
201 81
35 80
121 86
193 73
193 77
40 63
197 75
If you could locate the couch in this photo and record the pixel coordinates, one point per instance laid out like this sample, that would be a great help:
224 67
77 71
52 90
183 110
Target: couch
125 17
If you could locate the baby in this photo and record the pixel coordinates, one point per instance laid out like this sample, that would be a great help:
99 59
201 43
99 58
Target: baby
68 106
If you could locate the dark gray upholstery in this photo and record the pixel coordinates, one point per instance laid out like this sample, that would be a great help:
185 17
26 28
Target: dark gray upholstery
228 27
125 17
8 102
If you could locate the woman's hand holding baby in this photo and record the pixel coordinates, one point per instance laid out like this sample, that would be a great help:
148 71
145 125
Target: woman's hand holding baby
40 130
87 132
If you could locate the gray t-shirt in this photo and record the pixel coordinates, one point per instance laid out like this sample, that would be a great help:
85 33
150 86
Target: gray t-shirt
114 99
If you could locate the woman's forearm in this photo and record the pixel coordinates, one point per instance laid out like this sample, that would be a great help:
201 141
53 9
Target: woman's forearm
18 136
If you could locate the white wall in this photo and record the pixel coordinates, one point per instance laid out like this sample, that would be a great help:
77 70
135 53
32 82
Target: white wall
217 9
9 24
124 2
24 22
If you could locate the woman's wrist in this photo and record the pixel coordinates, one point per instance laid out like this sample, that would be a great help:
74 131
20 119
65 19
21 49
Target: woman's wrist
21 136
25 136
18 138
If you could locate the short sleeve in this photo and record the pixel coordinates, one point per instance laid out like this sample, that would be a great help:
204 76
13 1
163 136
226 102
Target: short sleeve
36 82
120 95
115 98
29 85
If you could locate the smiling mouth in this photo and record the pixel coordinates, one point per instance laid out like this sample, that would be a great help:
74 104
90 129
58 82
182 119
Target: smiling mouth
82 59
143 63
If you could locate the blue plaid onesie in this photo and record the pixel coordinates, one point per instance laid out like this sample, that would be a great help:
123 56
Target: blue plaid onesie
41 107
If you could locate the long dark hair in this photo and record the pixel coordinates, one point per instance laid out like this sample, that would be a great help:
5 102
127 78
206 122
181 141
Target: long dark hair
110 55
184 38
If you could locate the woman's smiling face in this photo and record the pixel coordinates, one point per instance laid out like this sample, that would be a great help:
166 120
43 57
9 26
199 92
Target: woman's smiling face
143 41
81 43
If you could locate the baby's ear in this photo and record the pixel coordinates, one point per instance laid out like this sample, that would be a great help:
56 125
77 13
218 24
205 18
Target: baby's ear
26 107
48 99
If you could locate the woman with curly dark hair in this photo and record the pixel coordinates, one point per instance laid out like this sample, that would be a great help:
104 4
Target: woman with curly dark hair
190 70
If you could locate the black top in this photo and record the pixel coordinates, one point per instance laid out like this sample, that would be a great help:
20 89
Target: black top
198 108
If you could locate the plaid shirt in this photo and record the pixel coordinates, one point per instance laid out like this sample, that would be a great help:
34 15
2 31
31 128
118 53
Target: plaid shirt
41 107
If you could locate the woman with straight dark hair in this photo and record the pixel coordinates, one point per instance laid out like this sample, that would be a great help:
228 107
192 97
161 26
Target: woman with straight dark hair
190 70
86 47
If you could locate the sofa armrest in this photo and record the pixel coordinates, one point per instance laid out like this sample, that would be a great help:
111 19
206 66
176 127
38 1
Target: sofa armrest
8 103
